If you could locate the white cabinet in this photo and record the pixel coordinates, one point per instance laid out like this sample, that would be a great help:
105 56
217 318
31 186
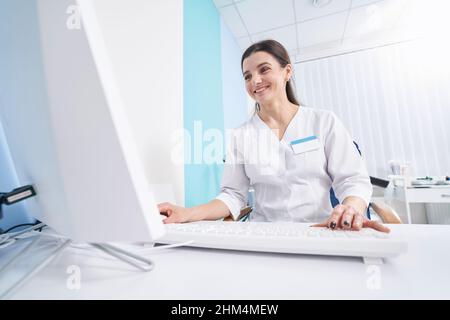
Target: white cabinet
423 194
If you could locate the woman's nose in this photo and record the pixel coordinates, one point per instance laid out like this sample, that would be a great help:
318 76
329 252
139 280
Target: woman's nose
256 80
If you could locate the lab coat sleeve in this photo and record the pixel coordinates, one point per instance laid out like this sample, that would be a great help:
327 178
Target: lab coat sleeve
235 182
345 165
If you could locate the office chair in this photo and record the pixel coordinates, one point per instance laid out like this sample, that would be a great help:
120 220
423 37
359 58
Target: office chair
385 212
243 215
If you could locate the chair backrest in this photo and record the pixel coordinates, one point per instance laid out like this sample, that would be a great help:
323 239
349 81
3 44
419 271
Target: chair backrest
243 215
385 212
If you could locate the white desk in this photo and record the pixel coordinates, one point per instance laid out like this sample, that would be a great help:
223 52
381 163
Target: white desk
408 194
187 273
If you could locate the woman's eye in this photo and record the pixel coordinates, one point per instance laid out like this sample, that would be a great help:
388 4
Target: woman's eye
246 78
265 69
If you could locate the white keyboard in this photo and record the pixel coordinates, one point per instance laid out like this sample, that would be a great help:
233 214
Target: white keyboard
298 238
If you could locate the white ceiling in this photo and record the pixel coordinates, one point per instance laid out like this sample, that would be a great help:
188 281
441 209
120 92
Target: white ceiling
301 27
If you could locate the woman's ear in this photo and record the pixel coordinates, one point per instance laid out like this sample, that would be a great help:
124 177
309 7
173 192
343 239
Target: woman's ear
288 69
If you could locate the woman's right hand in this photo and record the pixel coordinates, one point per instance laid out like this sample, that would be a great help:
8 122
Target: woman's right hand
175 214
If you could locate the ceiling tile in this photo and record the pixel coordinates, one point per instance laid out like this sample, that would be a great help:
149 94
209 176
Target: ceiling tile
360 3
244 43
264 15
233 21
305 10
221 3
321 47
287 36
326 29
376 17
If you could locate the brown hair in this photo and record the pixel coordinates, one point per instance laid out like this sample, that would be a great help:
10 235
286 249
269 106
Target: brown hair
280 54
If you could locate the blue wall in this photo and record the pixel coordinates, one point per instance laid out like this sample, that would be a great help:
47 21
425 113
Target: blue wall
202 94
214 91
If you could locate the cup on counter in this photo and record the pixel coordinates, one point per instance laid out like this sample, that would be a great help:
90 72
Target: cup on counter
394 165
401 168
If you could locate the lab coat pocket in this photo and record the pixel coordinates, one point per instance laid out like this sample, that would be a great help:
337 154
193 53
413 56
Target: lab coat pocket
310 164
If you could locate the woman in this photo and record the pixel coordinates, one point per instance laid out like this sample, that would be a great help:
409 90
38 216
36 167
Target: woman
303 152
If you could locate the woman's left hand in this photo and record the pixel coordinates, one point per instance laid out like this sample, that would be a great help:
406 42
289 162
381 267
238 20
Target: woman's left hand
347 218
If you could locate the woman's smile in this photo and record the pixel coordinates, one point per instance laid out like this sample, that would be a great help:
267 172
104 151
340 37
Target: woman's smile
261 89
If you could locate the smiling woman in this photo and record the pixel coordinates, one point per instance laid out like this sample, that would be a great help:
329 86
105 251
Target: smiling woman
309 151
277 58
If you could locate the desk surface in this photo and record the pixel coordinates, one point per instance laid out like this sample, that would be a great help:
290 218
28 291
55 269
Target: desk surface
189 273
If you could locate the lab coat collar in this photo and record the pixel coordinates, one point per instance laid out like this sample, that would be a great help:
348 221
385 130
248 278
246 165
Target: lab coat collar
290 132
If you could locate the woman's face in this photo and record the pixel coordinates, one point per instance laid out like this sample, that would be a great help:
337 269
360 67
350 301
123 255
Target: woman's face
265 79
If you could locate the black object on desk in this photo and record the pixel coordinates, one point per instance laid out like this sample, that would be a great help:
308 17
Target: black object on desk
16 195
379 182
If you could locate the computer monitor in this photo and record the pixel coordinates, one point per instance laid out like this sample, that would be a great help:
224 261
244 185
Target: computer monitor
72 140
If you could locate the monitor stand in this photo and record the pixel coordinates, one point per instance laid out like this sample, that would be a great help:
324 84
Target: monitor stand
121 254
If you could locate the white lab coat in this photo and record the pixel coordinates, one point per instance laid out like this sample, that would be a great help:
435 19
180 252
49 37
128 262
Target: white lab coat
292 186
